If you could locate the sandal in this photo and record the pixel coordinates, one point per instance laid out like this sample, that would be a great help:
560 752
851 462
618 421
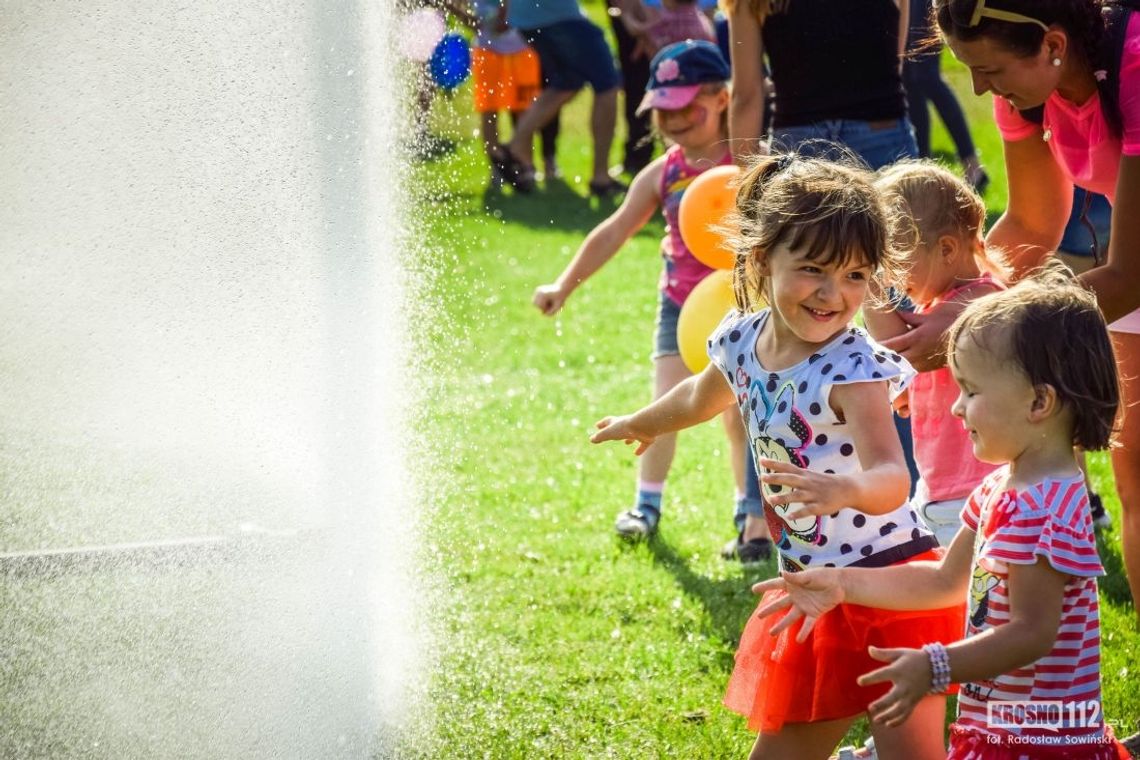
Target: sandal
606 190
750 552
515 172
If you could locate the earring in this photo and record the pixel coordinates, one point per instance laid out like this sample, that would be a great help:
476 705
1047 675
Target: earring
1056 61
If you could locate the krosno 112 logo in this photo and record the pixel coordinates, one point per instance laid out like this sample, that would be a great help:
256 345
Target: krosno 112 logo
1048 715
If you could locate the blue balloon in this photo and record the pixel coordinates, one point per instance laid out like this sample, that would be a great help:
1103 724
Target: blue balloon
450 64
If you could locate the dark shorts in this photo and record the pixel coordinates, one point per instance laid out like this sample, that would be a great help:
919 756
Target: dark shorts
573 53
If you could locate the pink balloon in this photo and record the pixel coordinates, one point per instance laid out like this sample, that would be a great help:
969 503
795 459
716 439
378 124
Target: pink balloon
420 32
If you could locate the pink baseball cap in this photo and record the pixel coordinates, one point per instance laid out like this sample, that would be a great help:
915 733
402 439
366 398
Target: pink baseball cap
668 98
677 72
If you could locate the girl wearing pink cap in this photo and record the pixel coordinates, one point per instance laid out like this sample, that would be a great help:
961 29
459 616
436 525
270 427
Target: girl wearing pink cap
688 95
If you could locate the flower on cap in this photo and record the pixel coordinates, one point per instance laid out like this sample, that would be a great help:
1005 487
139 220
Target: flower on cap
668 70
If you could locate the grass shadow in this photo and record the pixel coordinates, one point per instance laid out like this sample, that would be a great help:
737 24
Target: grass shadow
554 205
1114 584
728 602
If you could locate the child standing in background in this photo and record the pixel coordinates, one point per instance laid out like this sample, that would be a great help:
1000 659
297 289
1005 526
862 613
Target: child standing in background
815 394
945 262
505 76
1036 374
688 94
664 23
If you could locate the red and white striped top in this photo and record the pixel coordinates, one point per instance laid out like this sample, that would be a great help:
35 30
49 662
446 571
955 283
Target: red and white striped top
1051 520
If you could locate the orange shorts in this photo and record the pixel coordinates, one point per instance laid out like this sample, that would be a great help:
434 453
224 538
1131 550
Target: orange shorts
505 82
777 680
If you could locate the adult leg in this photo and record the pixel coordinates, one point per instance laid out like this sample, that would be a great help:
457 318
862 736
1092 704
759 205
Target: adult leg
919 738
914 77
549 135
1126 458
603 119
638 149
802 741
950 111
544 108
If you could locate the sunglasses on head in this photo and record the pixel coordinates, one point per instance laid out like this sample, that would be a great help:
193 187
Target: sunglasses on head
970 13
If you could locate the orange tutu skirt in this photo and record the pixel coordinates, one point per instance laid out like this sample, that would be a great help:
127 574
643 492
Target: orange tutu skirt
967 744
778 680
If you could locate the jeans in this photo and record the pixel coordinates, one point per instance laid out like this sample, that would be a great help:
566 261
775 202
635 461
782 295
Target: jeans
923 80
877 146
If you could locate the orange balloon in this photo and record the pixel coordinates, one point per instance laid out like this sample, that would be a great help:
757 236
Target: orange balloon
706 203
702 311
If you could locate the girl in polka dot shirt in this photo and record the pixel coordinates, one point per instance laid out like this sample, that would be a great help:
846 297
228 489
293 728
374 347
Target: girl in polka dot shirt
815 395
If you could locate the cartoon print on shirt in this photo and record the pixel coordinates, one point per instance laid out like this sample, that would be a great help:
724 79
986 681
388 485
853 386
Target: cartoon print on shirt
784 432
981 584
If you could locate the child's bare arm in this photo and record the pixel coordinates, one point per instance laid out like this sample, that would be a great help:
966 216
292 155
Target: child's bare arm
1036 595
605 240
884 482
880 315
693 401
913 586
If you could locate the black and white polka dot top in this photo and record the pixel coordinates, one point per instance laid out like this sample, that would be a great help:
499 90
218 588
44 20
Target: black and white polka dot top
789 419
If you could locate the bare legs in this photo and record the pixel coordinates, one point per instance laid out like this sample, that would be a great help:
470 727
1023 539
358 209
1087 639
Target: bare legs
1126 458
602 121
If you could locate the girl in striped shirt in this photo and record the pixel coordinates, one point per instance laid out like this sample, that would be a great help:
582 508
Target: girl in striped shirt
1036 373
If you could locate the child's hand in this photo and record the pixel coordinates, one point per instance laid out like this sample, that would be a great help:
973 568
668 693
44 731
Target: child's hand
621 429
809 595
549 298
910 676
817 493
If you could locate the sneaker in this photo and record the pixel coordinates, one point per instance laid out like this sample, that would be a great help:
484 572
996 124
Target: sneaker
750 552
637 524
550 169
1100 517
496 182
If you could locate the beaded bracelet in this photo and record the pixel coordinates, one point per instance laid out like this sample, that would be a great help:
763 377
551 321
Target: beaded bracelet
939 666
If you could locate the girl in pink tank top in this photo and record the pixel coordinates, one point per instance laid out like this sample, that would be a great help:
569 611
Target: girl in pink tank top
688 94
948 264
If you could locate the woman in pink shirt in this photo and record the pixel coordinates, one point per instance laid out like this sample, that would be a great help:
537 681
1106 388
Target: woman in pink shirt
1058 55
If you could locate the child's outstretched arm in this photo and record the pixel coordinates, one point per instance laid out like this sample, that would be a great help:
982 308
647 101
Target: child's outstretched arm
1036 596
913 586
883 484
693 401
606 239
635 16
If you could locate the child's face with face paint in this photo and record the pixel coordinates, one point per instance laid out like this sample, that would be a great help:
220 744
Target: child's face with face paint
697 125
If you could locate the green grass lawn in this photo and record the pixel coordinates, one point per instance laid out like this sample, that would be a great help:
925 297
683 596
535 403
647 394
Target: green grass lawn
554 639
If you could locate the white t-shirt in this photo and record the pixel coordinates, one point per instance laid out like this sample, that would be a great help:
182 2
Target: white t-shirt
788 418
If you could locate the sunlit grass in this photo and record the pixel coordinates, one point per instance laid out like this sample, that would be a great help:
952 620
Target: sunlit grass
557 640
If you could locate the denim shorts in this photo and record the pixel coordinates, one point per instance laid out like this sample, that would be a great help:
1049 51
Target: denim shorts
665 335
877 145
572 53
1077 240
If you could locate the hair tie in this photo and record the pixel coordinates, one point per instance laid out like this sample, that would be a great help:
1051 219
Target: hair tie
784 161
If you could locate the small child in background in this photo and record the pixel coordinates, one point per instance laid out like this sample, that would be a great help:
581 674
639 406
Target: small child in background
1036 373
505 76
815 394
945 262
662 23
688 93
